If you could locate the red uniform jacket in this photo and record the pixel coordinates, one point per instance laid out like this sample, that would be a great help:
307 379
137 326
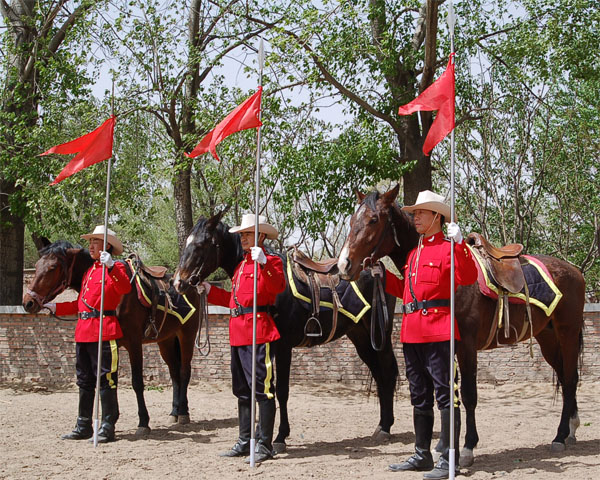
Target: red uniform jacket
271 282
116 285
431 280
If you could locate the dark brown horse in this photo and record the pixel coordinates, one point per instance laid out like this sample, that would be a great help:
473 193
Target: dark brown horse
379 228
62 266
210 245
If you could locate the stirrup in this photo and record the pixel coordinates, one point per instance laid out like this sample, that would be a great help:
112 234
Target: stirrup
313 334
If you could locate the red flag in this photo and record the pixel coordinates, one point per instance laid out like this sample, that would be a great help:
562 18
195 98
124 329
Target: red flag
243 117
438 96
93 147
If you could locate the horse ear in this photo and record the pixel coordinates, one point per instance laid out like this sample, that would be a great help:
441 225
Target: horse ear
390 196
40 243
359 195
213 221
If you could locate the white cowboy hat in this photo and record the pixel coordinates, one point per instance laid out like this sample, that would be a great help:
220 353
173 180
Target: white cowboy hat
247 225
427 200
111 237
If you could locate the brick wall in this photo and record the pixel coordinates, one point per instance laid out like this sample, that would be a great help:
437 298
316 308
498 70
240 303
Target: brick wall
40 349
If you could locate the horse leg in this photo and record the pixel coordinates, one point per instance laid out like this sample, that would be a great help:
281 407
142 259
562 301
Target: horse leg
563 357
169 351
384 368
467 361
136 359
282 390
186 347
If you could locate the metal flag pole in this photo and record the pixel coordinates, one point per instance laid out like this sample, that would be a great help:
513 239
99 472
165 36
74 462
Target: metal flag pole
451 20
101 319
261 62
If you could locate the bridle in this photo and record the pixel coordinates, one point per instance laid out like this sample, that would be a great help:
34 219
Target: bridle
61 287
371 259
195 277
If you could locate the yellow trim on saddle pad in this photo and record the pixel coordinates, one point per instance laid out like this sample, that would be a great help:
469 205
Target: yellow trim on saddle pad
355 318
547 309
182 320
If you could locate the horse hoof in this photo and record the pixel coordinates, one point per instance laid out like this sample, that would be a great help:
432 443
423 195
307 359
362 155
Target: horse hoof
142 432
172 418
381 436
466 457
183 419
279 447
571 440
557 447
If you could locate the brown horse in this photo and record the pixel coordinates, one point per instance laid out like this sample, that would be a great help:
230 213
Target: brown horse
211 245
62 266
379 228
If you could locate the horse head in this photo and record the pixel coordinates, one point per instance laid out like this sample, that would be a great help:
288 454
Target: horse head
377 228
54 272
202 254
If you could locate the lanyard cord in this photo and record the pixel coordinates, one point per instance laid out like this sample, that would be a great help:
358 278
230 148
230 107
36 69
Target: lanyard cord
236 285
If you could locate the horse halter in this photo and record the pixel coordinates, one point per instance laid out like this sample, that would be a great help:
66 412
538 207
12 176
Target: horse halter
61 287
194 278
371 259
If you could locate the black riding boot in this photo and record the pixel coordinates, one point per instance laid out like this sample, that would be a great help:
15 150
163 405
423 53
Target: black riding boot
242 446
266 423
421 460
110 415
83 427
442 468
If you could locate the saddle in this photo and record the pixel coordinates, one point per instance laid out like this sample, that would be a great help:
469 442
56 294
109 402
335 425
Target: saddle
503 263
155 284
316 275
504 267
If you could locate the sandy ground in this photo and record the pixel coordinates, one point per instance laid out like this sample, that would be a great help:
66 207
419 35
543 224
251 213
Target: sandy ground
331 430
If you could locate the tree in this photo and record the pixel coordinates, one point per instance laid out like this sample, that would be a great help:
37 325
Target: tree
35 64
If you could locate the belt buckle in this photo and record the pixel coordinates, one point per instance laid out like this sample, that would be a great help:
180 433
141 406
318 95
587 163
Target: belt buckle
409 307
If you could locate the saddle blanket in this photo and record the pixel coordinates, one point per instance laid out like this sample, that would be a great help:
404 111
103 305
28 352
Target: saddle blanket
354 305
543 292
179 305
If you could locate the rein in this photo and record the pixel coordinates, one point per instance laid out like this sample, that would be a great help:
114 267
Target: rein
203 310
379 314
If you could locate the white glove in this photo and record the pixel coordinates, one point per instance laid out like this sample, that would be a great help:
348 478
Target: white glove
376 270
205 286
106 259
258 255
50 306
454 232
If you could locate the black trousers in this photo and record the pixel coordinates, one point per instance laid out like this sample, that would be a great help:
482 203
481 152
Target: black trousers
428 372
241 372
87 364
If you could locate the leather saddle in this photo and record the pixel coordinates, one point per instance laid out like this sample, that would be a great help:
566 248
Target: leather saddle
504 264
155 284
316 275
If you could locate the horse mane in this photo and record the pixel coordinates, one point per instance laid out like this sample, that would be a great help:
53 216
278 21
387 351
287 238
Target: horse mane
58 248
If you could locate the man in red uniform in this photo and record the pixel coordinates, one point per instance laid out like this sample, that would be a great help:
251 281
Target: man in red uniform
425 332
270 282
87 308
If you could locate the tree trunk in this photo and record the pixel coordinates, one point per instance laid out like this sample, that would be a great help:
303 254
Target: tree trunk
12 236
183 204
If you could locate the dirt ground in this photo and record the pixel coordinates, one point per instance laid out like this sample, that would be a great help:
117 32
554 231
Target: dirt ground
331 430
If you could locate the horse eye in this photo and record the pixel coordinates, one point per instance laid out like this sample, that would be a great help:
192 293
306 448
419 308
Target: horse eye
373 220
